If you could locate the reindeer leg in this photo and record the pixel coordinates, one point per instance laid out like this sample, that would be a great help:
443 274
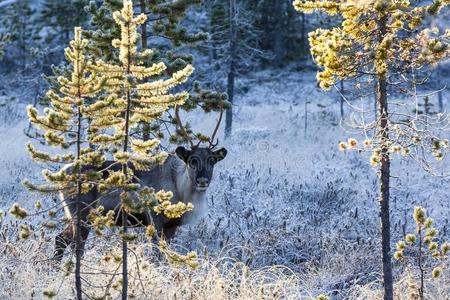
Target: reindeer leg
67 237
84 235
169 229
168 232
62 240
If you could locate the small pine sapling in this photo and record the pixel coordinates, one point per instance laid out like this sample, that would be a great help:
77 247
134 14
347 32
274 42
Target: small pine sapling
164 20
134 97
423 250
64 124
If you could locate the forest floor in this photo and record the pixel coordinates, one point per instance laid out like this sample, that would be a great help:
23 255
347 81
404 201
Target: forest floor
289 215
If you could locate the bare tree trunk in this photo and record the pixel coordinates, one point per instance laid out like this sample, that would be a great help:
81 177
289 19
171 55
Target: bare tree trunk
22 32
342 100
232 67
303 36
375 102
426 110
384 174
124 257
421 288
306 118
209 10
143 27
145 126
278 38
384 192
440 100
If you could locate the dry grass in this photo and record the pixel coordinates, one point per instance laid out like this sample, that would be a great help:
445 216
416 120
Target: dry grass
26 272
406 288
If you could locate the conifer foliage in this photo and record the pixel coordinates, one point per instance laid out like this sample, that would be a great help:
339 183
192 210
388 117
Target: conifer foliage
17 26
129 102
163 23
64 124
382 41
164 31
95 112
423 250
60 17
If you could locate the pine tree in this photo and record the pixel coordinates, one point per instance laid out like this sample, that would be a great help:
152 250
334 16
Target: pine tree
422 249
17 23
163 23
279 23
134 99
54 22
61 17
64 123
164 31
381 41
232 63
235 46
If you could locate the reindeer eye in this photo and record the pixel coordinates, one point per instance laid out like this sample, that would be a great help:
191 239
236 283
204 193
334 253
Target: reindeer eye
194 162
211 160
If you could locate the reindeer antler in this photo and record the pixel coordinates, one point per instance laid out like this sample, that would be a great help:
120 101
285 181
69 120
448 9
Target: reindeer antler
183 131
180 126
213 136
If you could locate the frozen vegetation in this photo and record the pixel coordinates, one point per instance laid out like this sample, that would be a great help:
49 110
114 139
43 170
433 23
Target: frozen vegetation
293 211
288 215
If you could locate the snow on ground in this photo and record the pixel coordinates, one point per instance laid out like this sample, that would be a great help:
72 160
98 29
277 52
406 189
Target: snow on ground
282 196
15 164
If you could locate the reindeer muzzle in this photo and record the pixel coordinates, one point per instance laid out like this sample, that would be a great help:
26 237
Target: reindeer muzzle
202 183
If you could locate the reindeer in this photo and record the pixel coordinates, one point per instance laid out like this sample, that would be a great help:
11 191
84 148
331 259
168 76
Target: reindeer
187 174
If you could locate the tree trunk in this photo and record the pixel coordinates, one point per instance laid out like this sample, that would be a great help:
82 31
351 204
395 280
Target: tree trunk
306 118
440 100
145 126
78 242
304 40
209 10
421 288
342 100
124 213
375 102
232 68
78 247
384 192
125 172
124 257
278 37
383 131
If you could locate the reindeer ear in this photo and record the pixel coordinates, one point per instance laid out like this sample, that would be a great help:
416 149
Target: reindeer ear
220 154
182 153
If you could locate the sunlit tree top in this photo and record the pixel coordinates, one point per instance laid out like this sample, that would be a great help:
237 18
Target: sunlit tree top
355 48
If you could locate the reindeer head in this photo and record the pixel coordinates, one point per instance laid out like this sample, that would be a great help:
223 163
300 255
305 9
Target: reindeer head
200 161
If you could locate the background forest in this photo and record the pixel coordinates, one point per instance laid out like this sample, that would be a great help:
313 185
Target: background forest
293 210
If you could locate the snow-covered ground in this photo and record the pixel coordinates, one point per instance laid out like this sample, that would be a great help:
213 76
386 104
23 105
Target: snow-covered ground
283 195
